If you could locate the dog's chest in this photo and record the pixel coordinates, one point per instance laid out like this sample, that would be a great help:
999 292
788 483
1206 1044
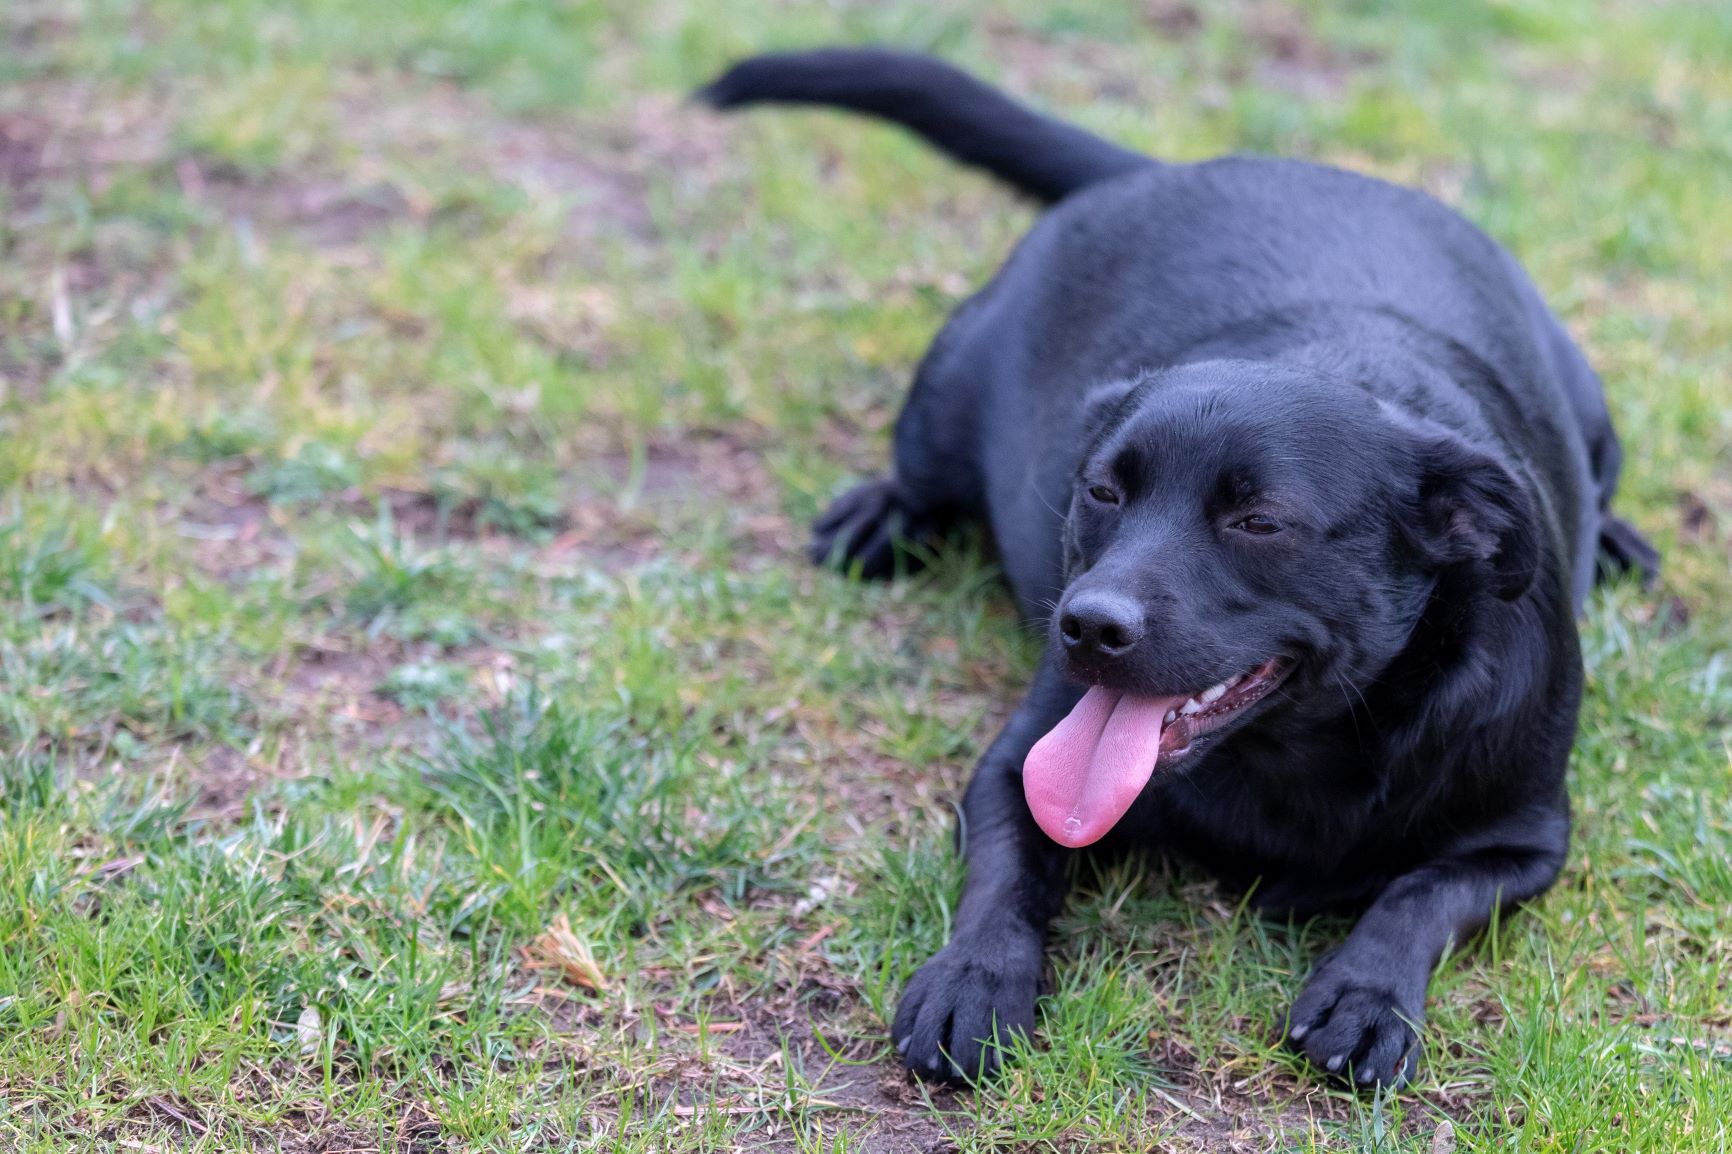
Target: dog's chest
1304 824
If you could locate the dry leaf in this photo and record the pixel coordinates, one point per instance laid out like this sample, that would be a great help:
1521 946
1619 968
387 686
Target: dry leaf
561 949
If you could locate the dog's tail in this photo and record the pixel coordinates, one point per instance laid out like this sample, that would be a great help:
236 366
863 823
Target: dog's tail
970 120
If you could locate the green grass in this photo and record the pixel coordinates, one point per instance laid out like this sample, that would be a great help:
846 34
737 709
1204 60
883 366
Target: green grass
407 416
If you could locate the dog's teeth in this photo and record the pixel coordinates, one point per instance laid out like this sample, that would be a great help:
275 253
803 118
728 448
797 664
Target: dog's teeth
1213 693
1233 680
1192 706
1172 716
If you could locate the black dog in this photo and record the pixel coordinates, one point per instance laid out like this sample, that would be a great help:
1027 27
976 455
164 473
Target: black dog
1318 483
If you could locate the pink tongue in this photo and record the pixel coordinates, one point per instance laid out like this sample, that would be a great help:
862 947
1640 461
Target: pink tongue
1082 776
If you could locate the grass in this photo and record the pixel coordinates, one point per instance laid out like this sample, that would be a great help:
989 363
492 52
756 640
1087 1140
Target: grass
419 730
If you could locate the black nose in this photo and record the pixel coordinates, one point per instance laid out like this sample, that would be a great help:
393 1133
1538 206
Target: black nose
1097 622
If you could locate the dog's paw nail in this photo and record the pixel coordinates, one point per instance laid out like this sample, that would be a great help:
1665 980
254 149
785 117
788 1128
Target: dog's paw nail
1366 1077
1334 1064
902 1044
1297 1033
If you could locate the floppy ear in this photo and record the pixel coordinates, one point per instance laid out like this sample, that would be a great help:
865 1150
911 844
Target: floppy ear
1102 404
1472 509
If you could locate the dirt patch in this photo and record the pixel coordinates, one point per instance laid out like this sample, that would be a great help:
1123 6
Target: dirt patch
426 515
617 509
164 1123
223 778
1289 56
1697 523
600 166
1284 52
1066 70
571 320
27 26
603 193
1174 19
340 683
317 698
21 144
232 532
58 129
885 1109
236 532
675 470
326 692
322 211
373 170
888 1110
54 133
63 129
630 504
1704 512
811 1031
1704 537
755 1050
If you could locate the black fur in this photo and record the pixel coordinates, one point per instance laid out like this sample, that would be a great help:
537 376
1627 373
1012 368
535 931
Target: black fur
1237 410
974 123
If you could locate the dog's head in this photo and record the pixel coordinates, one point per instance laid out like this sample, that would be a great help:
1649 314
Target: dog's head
1243 539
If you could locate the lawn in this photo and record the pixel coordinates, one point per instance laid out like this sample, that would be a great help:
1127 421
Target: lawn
420 731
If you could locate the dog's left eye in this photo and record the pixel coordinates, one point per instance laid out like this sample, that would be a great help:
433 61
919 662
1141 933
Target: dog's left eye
1258 525
1103 494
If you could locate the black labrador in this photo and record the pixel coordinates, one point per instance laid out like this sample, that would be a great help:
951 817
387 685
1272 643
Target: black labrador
1309 486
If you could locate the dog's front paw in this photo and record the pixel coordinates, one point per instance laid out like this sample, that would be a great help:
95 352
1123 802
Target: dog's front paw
1349 1022
962 1008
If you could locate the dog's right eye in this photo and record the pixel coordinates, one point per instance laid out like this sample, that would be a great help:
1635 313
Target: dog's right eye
1103 494
1258 525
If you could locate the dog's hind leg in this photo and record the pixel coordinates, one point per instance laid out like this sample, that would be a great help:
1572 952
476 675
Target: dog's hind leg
1618 547
871 528
884 526
1623 550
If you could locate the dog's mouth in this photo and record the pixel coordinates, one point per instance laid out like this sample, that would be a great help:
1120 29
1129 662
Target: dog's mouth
1205 712
1083 775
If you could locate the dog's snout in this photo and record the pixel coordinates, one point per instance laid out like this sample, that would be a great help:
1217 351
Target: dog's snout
1098 623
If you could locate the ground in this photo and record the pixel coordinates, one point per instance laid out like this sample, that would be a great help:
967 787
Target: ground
422 733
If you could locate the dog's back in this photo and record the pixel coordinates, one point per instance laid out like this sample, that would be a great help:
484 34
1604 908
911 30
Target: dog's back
1141 262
